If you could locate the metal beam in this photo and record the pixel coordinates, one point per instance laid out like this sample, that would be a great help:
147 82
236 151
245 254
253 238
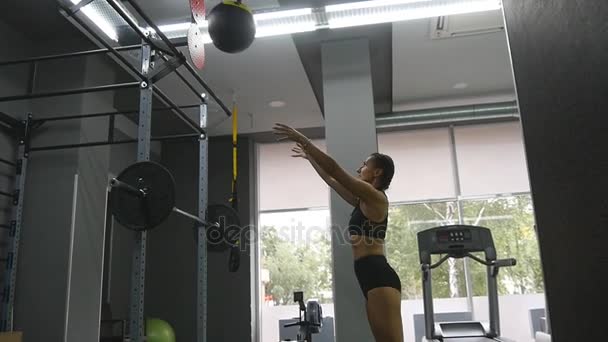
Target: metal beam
7 162
10 278
6 194
114 142
201 243
102 42
121 59
80 5
180 113
153 25
31 84
117 86
174 49
69 55
138 270
188 84
10 121
208 89
145 36
169 66
163 37
114 113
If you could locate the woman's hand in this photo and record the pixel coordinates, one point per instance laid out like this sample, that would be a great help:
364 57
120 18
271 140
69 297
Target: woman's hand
299 152
284 132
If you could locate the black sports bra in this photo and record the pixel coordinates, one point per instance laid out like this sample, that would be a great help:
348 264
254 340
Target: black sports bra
359 224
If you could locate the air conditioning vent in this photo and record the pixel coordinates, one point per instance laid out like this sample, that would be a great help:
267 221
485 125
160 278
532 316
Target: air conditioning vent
467 25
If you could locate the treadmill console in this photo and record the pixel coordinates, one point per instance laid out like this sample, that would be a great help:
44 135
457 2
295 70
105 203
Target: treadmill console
456 241
460 235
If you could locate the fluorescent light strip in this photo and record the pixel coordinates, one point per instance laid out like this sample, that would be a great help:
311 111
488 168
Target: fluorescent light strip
179 27
101 22
174 27
418 10
278 30
284 22
282 14
368 4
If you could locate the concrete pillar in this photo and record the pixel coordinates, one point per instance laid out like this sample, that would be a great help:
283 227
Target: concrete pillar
350 132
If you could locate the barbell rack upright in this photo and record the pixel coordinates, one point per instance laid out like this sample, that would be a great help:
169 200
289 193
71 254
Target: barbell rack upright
138 272
10 278
201 241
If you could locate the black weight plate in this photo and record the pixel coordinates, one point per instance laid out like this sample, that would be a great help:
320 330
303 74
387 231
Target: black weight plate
229 230
142 214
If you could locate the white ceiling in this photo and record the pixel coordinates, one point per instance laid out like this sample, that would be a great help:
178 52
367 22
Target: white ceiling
425 69
269 70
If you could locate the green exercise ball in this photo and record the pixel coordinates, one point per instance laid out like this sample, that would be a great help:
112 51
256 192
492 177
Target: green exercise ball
231 26
158 330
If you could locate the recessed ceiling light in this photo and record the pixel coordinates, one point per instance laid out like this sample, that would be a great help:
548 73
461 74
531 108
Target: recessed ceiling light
460 85
277 104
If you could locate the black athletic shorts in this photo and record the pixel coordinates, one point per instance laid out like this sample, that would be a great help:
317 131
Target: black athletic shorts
373 271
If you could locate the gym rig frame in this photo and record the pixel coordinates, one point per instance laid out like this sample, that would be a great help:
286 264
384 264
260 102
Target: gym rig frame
153 45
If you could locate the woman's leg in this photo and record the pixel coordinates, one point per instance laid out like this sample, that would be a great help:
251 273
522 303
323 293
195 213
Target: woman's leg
384 314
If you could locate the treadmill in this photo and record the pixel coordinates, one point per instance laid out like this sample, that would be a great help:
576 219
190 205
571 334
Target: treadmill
460 241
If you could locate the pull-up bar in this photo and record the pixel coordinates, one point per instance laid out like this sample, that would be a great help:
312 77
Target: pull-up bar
7 162
69 55
103 114
71 91
175 137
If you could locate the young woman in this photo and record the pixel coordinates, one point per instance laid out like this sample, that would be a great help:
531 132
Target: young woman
367 228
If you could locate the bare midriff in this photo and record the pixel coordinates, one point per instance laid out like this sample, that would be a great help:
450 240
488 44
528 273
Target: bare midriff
364 246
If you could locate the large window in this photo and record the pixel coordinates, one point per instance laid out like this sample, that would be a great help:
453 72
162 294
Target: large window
461 175
512 224
402 249
295 255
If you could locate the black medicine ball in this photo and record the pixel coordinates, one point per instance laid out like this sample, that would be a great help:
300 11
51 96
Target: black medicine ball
231 26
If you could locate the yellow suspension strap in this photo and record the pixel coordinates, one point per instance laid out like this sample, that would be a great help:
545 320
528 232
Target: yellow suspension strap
234 261
235 128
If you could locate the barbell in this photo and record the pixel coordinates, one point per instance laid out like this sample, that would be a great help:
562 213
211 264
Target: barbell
142 197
